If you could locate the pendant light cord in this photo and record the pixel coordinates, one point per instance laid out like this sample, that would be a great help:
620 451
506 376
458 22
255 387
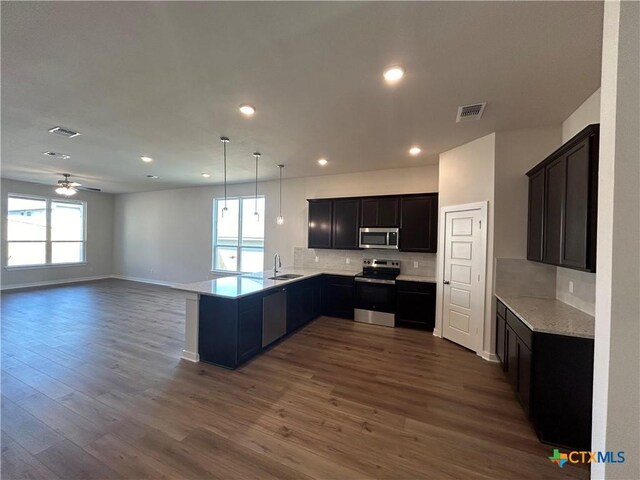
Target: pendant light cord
280 208
256 200
224 145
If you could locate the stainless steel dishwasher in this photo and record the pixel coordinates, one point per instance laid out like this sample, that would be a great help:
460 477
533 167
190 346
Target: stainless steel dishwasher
274 316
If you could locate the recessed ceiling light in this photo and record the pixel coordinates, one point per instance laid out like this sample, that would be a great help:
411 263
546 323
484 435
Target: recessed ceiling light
414 150
154 177
323 161
63 156
206 175
247 110
146 159
393 74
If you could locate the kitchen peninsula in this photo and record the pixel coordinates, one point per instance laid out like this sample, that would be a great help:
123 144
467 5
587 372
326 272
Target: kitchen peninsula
231 319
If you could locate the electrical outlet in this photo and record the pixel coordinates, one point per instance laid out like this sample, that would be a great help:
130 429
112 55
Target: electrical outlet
317 259
415 264
348 261
570 286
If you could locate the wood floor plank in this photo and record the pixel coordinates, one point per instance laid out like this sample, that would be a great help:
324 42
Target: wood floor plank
101 393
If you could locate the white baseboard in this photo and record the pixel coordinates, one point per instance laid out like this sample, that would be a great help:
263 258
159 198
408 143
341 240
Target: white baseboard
191 356
46 283
143 280
436 333
490 357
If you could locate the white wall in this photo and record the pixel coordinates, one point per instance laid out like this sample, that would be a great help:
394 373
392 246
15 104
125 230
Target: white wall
585 114
99 239
165 236
616 395
467 175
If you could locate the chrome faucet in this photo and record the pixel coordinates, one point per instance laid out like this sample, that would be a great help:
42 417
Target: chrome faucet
276 264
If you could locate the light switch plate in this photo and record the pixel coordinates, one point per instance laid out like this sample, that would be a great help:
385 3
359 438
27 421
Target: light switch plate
570 286
415 264
317 259
348 261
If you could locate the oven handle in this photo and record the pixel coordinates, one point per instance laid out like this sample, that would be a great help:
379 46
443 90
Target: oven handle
375 280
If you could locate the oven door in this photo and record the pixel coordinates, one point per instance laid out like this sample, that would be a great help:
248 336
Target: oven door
375 295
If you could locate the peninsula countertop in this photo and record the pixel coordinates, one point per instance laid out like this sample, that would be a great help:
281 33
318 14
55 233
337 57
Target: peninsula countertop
548 315
236 286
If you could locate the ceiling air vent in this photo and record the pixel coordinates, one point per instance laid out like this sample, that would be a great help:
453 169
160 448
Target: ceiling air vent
63 156
470 112
65 132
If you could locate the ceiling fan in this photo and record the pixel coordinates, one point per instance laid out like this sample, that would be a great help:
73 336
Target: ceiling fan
68 188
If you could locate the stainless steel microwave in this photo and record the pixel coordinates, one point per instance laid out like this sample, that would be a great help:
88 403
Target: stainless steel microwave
387 238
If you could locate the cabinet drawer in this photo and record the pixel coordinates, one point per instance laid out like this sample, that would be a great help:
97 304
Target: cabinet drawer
520 329
417 287
501 309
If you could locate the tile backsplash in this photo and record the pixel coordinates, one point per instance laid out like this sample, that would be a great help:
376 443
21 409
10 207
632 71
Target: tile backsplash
337 260
584 289
520 277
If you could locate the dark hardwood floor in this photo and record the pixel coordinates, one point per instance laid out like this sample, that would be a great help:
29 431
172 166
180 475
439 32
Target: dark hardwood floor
93 388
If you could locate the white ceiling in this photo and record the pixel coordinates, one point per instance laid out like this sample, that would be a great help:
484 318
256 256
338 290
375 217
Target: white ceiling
165 79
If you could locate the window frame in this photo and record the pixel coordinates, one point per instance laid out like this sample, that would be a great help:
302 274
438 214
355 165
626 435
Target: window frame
47 241
239 247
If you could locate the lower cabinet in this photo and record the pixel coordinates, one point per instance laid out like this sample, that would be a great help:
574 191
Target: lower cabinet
552 376
249 327
416 304
302 299
338 296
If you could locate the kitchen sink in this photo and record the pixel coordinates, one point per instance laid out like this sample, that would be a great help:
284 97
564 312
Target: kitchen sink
287 276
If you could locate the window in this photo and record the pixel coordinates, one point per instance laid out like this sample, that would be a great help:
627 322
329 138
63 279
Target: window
238 237
42 231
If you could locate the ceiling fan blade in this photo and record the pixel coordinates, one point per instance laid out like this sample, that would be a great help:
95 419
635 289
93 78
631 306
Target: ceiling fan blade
75 184
90 189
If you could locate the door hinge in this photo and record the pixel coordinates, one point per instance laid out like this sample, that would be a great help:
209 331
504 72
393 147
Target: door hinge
480 223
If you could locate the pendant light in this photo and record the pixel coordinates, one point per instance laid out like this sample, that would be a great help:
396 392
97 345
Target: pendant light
224 141
280 219
255 211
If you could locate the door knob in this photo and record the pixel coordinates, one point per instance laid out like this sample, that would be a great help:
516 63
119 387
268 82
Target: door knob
446 282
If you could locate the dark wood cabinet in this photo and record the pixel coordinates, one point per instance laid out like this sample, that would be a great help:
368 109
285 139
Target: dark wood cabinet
380 212
563 194
416 305
320 223
501 328
338 296
346 223
552 377
249 327
335 222
535 244
419 223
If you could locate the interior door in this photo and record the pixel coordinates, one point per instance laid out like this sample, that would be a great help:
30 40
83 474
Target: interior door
464 270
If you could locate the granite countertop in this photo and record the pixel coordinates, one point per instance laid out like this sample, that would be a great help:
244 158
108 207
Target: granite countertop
548 315
237 286
416 278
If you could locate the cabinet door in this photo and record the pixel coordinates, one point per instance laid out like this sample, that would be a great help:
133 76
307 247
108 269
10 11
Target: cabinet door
501 327
346 223
416 305
511 354
295 307
249 327
555 204
369 212
524 376
320 223
419 223
339 297
535 239
576 211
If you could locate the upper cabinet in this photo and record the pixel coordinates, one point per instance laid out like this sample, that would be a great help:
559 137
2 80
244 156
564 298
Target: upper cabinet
380 212
419 223
335 223
346 219
563 204
320 223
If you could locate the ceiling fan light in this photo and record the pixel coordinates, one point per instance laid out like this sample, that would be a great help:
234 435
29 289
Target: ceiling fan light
66 191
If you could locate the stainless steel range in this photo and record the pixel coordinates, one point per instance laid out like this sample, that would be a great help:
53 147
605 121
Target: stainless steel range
375 299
